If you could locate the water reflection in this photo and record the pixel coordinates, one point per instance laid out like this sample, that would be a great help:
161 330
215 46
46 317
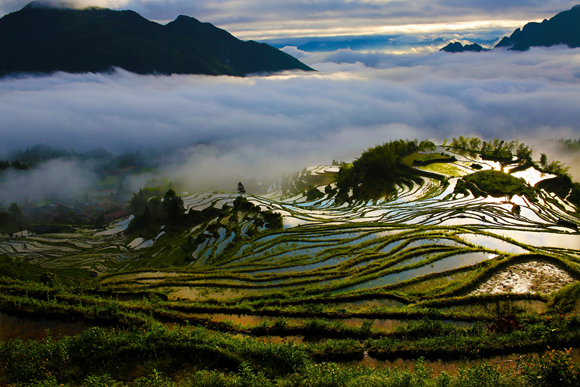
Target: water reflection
492 243
542 239
453 262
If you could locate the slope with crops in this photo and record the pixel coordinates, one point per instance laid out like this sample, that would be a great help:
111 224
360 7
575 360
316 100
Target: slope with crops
461 251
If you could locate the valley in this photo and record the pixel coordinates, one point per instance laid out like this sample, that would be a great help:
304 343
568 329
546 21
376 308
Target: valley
466 259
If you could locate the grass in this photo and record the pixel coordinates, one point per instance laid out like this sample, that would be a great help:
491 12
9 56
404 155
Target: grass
412 159
446 169
156 356
496 184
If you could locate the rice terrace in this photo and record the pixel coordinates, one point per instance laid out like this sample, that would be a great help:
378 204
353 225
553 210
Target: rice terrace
415 265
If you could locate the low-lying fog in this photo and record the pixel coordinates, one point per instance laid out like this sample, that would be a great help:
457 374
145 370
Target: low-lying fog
225 127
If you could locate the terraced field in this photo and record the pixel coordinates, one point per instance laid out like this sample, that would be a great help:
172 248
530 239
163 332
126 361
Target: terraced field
374 247
347 280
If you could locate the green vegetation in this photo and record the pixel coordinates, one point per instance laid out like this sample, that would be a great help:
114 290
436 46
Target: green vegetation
444 168
154 355
313 193
495 149
563 186
494 183
12 221
157 357
380 169
424 159
15 164
301 290
566 300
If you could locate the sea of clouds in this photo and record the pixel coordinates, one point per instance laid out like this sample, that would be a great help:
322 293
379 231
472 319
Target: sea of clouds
260 125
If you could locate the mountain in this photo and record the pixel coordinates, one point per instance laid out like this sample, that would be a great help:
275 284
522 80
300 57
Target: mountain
44 39
564 28
458 47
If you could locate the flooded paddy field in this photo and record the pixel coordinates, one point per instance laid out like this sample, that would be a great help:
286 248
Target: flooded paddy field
377 281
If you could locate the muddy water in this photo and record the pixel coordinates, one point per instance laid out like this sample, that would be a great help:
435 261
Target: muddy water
12 327
369 304
251 320
193 293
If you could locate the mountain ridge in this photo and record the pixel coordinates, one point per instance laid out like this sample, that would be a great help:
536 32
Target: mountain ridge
458 47
44 39
563 28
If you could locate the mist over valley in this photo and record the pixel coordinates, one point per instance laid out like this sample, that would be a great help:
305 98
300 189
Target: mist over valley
338 203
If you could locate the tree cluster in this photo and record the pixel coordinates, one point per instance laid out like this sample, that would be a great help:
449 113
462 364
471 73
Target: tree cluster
494 148
378 170
14 164
105 160
12 221
313 193
151 211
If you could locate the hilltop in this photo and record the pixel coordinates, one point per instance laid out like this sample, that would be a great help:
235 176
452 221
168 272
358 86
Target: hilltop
564 28
458 47
44 39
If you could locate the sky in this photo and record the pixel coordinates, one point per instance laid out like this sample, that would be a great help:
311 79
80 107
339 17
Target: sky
276 19
358 98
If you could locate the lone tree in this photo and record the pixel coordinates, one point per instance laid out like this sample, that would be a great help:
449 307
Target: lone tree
172 207
16 217
544 160
241 189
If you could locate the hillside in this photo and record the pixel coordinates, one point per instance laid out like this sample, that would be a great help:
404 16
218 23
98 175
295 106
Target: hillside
467 252
564 28
458 47
42 39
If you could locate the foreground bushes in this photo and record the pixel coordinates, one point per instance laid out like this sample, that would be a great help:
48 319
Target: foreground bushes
159 357
124 354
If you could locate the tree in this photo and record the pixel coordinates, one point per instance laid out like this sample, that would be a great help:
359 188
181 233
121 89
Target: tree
18 165
99 220
241 189
172 207
16 216
474 144
15 213
557 168
524 152
138 203
543 160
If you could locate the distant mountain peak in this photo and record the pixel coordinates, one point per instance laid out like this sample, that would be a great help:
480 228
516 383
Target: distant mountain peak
99 39
458 47
563 28
48 4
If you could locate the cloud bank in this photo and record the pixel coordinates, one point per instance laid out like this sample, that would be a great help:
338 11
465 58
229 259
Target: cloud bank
54 179
251 127
440 95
